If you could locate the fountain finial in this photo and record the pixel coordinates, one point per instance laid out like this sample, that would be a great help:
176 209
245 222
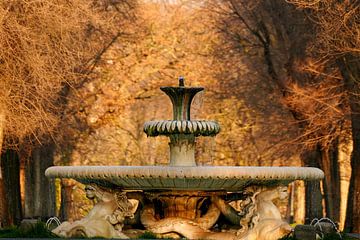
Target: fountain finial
181 98
181 129
181 81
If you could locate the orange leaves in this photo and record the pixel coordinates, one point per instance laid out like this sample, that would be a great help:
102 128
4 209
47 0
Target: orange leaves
47 47
321 109
338 24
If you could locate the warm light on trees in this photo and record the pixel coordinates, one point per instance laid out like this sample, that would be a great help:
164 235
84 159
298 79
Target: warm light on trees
310 51
336 47
47 49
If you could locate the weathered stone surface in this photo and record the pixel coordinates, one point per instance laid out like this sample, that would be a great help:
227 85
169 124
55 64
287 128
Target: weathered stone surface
305 232
353 235
326 228
260 218
168 127
184 178
106 219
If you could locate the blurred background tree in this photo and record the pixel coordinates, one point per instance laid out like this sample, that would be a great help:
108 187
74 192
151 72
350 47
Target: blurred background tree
336 55
48 48
302 45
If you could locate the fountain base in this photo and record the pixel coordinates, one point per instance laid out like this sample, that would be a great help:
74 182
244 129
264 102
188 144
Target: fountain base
186 201
250 214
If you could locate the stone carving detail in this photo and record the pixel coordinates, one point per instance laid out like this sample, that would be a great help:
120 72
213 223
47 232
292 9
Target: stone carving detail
263 219
191 229
169 127
105 219
125 209
181 214
256 215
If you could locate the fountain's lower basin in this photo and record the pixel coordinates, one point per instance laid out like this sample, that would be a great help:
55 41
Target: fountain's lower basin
209 178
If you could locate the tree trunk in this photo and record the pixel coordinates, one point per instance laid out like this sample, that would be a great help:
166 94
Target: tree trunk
330 166
3 220
39 190
3 206
313 196
350 69
10 166
2 126
3 216
67 201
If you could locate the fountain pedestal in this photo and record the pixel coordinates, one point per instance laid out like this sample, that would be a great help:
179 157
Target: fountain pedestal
182 150
182 198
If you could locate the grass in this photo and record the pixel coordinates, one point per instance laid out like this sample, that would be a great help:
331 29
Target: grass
148 235
39 230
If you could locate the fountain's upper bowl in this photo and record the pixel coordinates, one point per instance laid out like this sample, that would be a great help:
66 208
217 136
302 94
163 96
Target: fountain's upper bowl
205 178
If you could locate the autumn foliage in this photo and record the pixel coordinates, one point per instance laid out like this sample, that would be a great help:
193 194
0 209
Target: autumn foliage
46 47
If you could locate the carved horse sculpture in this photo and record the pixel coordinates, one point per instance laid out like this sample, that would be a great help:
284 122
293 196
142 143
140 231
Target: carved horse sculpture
267 223
105 219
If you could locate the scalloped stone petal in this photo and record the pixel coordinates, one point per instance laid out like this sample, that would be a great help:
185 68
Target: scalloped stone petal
173 126
204 126
178 125
163 125
195 126
158 126
168 127
189 126
200 127
210 126
183 126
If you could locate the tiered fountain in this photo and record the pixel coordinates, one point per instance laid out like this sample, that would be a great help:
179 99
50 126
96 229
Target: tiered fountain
182 199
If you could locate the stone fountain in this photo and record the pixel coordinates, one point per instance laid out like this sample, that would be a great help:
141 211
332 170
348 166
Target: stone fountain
182 199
